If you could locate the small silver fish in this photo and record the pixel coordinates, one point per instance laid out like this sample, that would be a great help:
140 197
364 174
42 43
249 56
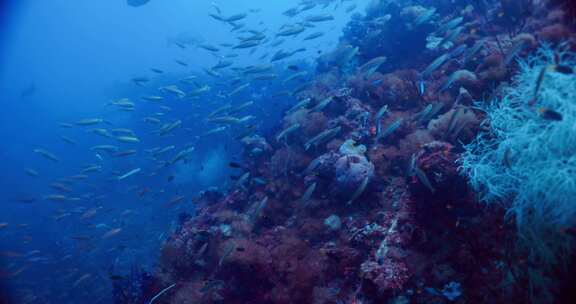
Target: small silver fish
434 65
421 175
381 112
322 104
390 129
421 87
359 191
129 173
47 155
322 137
308 193
371 66
288 130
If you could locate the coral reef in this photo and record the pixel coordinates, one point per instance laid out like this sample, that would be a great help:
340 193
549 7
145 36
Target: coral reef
358 198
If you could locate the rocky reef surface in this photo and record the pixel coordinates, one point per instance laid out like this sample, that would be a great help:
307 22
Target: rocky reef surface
357 198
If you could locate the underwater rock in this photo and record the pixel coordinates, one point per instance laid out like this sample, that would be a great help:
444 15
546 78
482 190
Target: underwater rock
388 276
351 171
349 147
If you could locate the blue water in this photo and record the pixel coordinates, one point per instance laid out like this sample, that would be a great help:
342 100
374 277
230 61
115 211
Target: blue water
62 61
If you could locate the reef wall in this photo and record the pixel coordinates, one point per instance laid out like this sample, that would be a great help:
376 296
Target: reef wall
359 199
